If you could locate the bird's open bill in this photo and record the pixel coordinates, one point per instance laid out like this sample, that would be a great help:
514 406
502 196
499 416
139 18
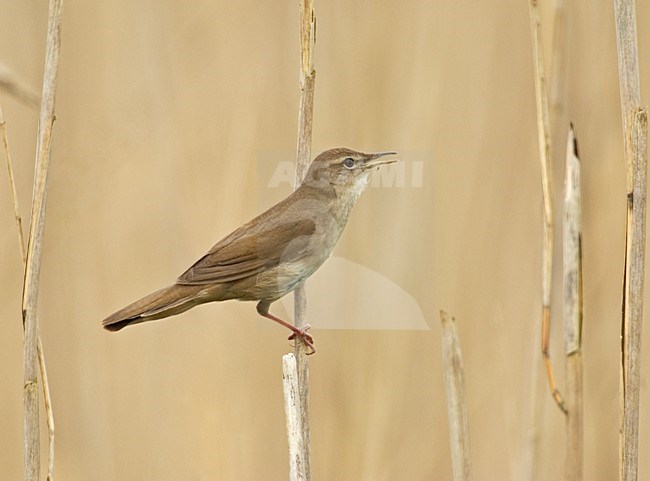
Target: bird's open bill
378 159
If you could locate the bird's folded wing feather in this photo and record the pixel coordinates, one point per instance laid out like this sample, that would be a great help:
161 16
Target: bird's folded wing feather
247 252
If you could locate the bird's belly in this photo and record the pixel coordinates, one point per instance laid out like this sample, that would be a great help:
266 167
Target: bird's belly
284 278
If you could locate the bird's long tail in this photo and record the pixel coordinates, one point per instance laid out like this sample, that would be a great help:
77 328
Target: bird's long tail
163 303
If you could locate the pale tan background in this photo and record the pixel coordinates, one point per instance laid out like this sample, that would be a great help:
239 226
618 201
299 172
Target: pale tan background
164 111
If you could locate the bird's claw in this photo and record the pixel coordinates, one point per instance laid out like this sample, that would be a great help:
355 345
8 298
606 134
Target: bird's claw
305 337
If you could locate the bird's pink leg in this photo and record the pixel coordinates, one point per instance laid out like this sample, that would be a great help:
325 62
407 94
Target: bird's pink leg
263 310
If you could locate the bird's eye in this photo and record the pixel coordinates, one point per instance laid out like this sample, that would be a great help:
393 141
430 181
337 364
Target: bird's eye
348 162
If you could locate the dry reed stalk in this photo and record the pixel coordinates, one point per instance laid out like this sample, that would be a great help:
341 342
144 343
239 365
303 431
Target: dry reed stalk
635 132
456 407
541 99
35 242
39 343
532 469
572 254
633 302
292 410
303 157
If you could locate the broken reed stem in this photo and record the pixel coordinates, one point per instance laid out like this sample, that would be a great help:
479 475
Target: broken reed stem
39 345
35 243
635 132
456 407
541 99
293 415
303 157
572 267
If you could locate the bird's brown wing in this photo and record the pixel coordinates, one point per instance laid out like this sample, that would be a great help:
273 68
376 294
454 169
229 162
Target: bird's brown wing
247 252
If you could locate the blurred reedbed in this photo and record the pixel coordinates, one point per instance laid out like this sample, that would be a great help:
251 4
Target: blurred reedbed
167 117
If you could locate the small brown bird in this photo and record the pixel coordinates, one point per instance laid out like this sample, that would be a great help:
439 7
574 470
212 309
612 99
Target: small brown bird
271 255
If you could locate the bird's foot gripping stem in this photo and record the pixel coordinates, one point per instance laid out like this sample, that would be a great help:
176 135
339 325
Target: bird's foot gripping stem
304 336
263 310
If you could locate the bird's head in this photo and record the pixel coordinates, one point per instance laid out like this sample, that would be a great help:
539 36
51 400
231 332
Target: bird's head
345 170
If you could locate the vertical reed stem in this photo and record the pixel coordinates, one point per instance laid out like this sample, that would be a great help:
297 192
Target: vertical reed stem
573 311
293 415
541 98
23 255
305 123
35 243
635 132
456 406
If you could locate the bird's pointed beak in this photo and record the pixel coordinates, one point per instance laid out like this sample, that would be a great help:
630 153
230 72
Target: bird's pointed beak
377 159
